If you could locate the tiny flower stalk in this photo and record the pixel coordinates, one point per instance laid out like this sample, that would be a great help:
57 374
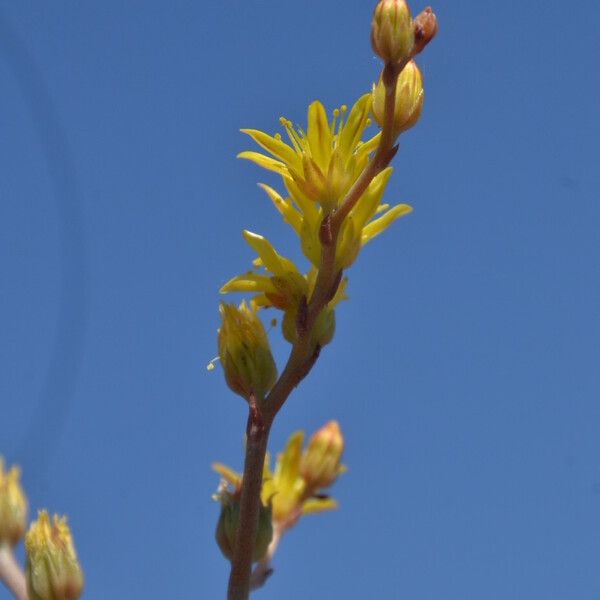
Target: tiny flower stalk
13 506
52 569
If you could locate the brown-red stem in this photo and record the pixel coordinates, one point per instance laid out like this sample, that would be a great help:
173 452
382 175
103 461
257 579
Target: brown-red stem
303 353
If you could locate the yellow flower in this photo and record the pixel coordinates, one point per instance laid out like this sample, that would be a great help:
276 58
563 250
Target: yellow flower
318 168
52 568
282 287
244 351
291 488
13 506
321 164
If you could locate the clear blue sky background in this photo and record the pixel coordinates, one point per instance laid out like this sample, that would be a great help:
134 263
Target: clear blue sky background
464 372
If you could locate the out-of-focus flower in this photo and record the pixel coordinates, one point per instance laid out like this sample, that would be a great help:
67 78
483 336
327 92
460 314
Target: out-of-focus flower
293 488
52 569
13 506
321 461
229 522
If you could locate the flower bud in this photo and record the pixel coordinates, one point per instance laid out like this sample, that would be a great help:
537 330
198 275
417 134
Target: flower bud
424 28
229 522
320 464
13 506
244 351
324 327
391 31
52 569
409 99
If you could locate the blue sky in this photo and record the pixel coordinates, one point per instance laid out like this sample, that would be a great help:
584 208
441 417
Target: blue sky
464 370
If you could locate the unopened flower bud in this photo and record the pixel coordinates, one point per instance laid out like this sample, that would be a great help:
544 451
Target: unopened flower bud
52 569
324 327
409 99
391 31
244 351
229 522
320 464
13 506
424 28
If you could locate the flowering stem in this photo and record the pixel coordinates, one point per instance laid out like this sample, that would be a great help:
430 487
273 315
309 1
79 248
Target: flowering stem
257 435
11 574
302 357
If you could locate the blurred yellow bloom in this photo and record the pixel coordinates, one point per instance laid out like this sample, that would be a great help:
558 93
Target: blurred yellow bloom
229 522
292 488
320 465
52 568
13 506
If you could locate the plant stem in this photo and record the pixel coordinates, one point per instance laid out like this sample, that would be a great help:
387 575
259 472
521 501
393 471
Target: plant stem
11 574
257 435
303 354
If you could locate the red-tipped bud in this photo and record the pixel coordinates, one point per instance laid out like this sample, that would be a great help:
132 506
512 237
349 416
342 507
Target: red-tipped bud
424 27
320 465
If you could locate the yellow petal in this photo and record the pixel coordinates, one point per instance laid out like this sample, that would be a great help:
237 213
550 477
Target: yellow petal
288 462
374 228
288 212
274 146
367 205
249 282
313 506
318 134
228 474
277 264
264 161
369 146
309 209
355 125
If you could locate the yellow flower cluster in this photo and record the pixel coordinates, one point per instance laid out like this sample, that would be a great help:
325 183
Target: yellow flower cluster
292 488
318 168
